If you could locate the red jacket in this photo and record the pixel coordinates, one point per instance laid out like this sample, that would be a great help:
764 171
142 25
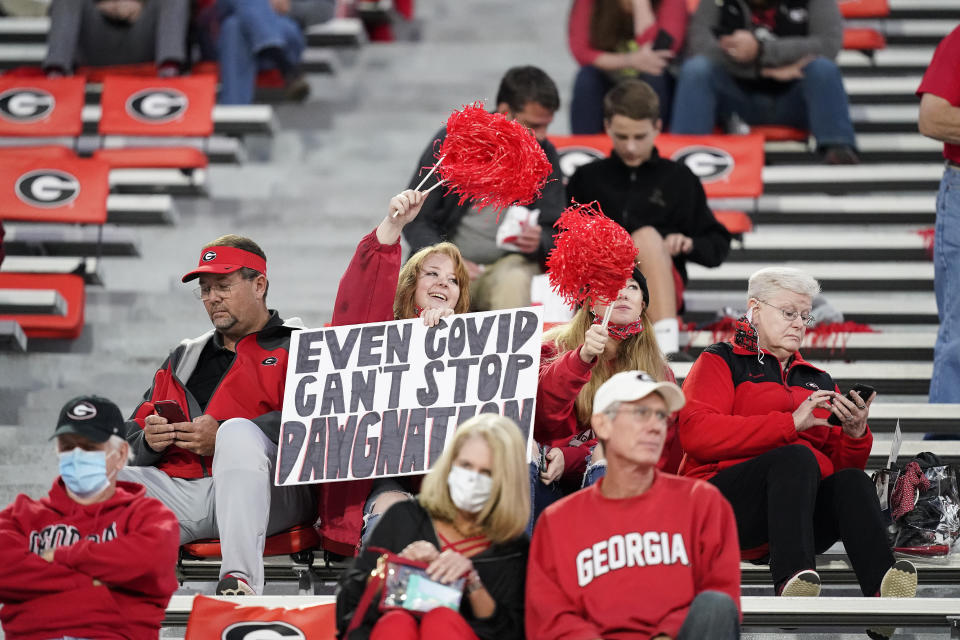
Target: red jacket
605 568
556 424
738 408
671 17
365 294
129 543
252 388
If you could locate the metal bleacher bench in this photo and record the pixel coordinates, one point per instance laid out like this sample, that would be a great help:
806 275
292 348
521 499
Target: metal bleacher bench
12 337
758 611
85 267
227 119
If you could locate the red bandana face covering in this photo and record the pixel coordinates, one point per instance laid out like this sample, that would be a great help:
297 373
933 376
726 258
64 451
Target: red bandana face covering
417 309
621 331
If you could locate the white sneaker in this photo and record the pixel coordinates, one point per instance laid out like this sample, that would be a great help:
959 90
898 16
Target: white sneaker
804 584
900 581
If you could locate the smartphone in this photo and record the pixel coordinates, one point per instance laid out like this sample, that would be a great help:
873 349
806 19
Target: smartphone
864 390
663 41
170 409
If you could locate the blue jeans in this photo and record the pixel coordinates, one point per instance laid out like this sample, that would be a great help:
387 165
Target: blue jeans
712 616
817 102
248 28
592 84
541 496
945 382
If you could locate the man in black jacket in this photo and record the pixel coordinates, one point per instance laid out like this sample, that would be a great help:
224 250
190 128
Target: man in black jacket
767 62
659 201
500 268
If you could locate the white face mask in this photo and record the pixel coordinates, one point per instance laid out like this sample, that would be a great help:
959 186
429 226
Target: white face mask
469 490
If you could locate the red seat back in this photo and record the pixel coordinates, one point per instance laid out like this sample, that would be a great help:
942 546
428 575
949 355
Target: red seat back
41 107
51 184
864 8
71 287
158 107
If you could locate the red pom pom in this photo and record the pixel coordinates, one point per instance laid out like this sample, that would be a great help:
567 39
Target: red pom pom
491 160
593 257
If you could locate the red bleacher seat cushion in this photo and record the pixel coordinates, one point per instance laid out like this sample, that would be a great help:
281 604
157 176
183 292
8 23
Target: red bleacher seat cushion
864 8
776 132
863 40
736 222
50 184
299 538
153 158
37 106
139 106
212 618
71 287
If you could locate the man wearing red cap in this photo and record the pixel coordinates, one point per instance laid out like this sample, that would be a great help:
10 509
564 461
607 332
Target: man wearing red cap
214 466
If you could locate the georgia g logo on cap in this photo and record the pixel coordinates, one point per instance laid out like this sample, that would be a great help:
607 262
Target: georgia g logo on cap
25 105
262 631
82 411
208 256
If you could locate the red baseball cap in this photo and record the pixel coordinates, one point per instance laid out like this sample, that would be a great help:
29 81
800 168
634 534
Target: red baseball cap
221 260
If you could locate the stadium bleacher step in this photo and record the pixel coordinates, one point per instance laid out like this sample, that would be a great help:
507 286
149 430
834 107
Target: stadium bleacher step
857 346
169 181
87 267
227 119
907 32
872 148
730 281
917 418
32 301
842 244
901 60
130 209
841 179
925 10
883 90
917 208
57 240
12 337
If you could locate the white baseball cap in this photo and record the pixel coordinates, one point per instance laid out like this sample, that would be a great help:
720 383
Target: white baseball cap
628 386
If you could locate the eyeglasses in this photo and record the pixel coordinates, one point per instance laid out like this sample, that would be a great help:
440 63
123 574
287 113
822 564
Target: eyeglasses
790 316
203 292
643 414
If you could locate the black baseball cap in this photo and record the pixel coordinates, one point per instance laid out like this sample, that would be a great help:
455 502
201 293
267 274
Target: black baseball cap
92 417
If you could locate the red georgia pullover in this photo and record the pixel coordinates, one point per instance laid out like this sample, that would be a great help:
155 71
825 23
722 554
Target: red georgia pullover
629 568
128 543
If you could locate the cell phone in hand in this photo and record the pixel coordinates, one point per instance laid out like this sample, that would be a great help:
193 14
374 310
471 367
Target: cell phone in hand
170 409
864 391
663 41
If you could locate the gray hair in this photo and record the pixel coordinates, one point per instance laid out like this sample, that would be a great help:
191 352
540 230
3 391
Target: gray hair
767 282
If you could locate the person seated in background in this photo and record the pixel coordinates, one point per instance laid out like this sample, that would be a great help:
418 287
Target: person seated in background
500 271
433 284
659 201
766 62
575 359
264 34
616 39
214 465
468 521
755 425
641 553
100 33
94 558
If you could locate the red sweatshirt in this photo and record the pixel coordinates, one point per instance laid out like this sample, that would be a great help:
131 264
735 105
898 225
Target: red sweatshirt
738 408
365 294
128 542
629 568
671 17
556 424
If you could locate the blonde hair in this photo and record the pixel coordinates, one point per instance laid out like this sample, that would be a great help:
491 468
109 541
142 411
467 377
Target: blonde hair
638 352
506 513
403 302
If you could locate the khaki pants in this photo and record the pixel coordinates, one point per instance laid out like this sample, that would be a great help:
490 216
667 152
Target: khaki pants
505 284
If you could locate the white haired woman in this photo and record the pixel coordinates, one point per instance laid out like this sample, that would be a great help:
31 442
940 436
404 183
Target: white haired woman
755 425
468 521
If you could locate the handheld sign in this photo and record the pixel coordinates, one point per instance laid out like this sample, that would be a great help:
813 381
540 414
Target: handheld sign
383 399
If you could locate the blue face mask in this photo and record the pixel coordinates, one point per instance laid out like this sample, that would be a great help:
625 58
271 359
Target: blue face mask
84 472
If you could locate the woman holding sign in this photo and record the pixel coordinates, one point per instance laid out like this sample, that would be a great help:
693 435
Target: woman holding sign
433 284
466 529
576 358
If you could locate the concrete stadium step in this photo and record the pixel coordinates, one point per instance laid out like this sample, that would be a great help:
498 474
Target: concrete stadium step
947 450
893 378
839 179
339 32
730 278
227 119
822 209
138 209
87 267
873 148
884 118
890 61
32 301
29 239
842 244
169 181
909 346
914 208
12 337
918 417
883 89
